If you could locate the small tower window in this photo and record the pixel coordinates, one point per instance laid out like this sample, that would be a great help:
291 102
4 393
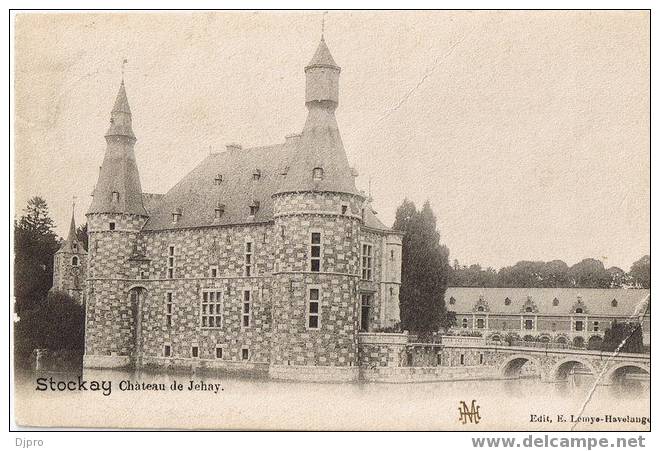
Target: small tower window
256 175
317 174
218 179
315 252
115 196
614 302
344 209
74 261
112 226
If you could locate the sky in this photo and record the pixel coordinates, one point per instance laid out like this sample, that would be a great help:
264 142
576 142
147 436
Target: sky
528 132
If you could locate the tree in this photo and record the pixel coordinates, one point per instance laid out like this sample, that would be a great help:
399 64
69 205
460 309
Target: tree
425 269
524 274
57 324
554 274
628 335
640 272
35 244
81 235
617 277
589 273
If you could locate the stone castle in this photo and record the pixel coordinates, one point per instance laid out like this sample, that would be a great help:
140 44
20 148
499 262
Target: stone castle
264 258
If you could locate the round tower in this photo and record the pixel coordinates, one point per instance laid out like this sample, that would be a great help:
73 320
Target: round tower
115 219
318 215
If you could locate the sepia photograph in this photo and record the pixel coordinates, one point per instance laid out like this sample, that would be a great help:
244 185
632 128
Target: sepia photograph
341 220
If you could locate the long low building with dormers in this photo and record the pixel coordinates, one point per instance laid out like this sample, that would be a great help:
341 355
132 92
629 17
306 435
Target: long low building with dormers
565 316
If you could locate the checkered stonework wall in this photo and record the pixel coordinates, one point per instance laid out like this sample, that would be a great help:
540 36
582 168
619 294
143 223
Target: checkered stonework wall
172 269
69 275
208 259
331 341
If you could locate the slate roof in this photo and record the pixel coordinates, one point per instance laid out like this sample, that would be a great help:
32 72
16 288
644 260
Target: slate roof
67 245
595 301
322 57
197 195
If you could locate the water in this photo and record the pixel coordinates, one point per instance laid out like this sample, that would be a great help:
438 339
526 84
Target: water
257 403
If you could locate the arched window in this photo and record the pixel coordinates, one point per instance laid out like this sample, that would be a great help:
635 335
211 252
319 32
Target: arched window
528 309
614 302
578 310
480 308
74 261
317 173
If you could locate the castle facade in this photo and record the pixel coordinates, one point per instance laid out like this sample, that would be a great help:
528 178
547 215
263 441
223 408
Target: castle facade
262 258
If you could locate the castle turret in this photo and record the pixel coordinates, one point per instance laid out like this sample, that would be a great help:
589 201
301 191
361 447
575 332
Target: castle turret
317 212
70 264
115 219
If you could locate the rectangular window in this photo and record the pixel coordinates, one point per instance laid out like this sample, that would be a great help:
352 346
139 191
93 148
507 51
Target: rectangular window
213 272
167 351
480 323
367 261
579 326
194 351
248 259
170 262
462 359
112 226
344 209
315 252
212 309
218 352
245 354
313 312
529 324
596 326
169 305
247 308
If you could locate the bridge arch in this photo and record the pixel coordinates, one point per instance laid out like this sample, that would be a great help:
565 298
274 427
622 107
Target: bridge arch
560 370
618 370
514 363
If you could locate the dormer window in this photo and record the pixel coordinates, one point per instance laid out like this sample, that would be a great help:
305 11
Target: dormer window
555 302
218 179
75 247
317 174
614 302
480 308
256 175
115 196
528 309
176 215
74 261
452 301
578 310
507 301
254 207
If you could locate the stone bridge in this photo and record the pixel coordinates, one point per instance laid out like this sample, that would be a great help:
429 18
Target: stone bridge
394 358
552 365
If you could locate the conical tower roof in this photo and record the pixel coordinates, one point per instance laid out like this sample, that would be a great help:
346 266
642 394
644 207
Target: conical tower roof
320 150
118 188
322 57
72 237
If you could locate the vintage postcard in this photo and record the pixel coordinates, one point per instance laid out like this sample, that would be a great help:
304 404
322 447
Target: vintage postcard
331 220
